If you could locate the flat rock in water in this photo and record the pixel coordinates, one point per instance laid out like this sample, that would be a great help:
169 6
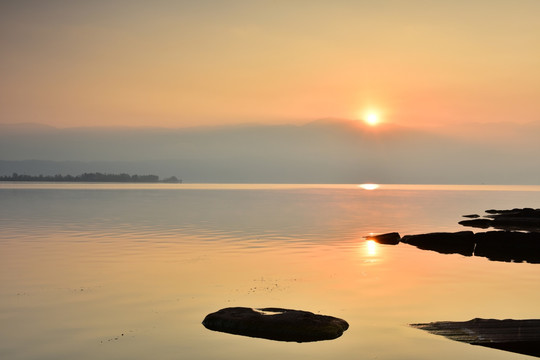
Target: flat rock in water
519 336
276 324
477 223
472 216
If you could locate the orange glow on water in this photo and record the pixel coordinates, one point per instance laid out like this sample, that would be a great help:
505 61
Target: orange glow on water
371 247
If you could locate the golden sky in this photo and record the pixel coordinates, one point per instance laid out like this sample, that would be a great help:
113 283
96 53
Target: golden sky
188 63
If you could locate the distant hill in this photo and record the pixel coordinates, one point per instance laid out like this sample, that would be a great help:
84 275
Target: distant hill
323 151
89 177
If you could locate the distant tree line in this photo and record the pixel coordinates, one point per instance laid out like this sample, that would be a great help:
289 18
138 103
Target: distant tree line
91 177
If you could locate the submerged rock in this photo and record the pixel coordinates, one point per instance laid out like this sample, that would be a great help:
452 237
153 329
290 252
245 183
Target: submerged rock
276 324
387 239
519 336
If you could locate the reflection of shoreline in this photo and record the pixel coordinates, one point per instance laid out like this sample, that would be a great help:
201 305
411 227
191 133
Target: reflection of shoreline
519 336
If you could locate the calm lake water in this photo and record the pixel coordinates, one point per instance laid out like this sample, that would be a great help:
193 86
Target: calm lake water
97 271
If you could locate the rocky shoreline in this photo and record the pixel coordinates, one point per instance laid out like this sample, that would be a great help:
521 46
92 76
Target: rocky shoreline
518 241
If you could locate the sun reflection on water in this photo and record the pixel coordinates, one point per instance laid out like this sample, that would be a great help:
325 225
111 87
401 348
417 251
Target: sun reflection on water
369 186
371 247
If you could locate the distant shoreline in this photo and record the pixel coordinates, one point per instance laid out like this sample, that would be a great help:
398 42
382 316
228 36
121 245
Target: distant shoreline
91 178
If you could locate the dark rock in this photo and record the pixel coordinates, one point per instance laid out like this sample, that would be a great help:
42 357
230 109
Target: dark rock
276 324
520 245
515 212
493 211
519 336
516 223
526 219
443 242
387 239
477 223
472 216
508 246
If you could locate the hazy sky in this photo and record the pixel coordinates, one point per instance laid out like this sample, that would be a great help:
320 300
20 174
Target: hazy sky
183 63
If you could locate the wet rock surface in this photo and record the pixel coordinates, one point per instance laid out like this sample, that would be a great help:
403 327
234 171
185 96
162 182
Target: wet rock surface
276 324
519 336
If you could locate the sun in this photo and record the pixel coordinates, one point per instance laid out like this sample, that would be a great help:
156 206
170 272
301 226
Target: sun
372 118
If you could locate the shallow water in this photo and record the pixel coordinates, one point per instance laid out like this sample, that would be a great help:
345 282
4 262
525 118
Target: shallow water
129 271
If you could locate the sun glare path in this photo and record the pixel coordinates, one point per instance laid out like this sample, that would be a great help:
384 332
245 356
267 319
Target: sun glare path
371 247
